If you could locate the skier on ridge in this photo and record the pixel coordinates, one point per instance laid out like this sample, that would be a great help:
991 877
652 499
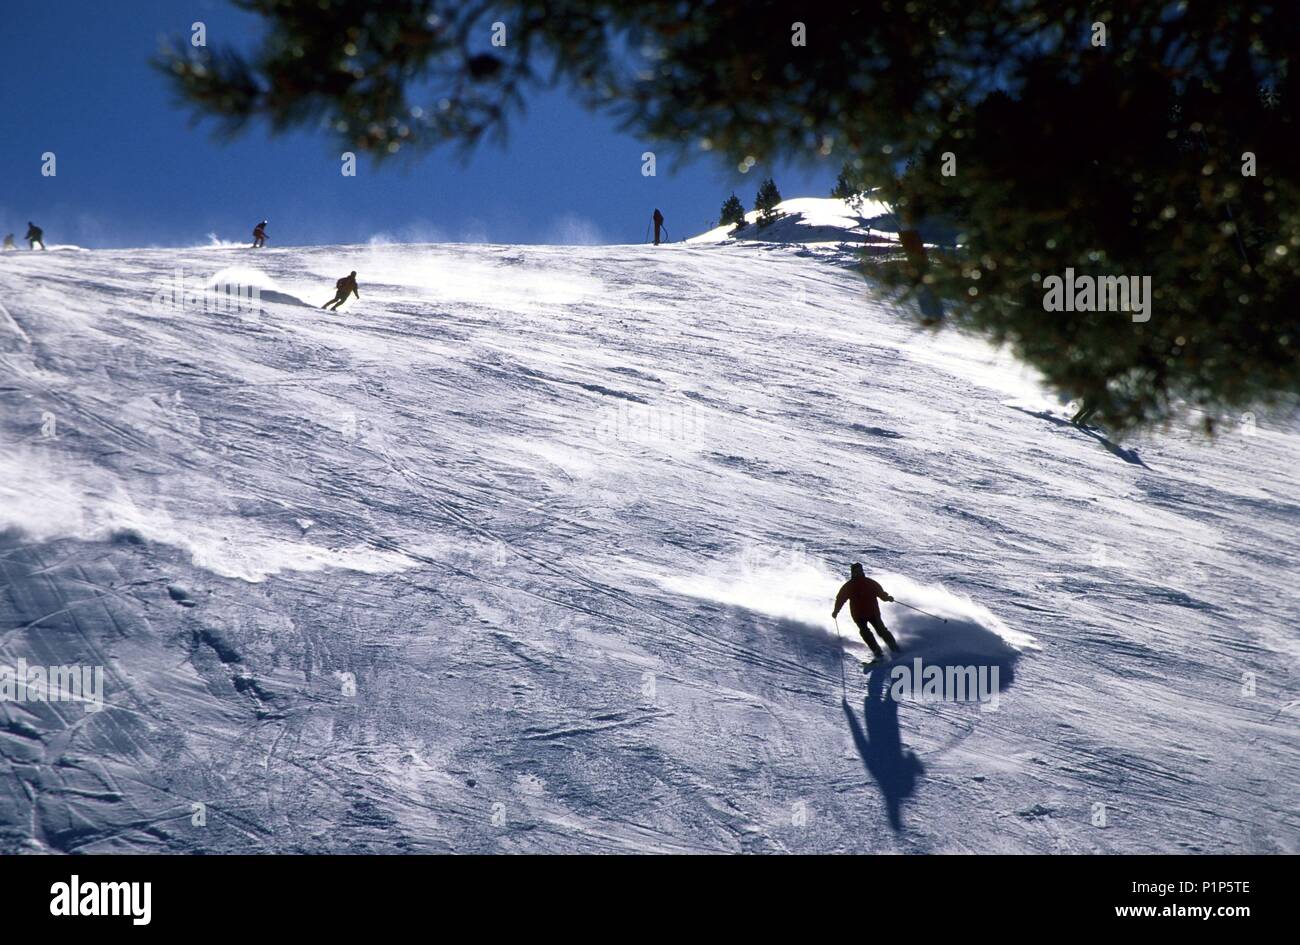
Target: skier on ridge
342 289
862 593
259 235
659 224
34 235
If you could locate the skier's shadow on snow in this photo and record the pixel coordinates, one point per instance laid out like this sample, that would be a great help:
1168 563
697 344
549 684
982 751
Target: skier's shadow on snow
1129 456
959 644
895 767
283 298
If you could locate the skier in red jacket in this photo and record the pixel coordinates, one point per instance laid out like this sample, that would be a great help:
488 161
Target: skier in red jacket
862 593
259 235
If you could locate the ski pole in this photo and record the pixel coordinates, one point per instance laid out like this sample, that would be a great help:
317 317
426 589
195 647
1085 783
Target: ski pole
646 238
920 611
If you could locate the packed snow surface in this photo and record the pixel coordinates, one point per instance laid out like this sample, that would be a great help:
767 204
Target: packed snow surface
534 549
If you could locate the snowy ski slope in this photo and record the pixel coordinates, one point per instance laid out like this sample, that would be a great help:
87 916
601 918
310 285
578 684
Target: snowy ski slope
533 549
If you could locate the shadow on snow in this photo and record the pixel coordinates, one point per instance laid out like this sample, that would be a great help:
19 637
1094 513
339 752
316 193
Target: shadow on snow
957 644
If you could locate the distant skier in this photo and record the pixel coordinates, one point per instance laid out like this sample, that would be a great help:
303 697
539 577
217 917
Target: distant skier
659 224
259 235
34 235
862 593
9 242
342 289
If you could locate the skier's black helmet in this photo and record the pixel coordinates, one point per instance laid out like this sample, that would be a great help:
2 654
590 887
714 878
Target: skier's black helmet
855 569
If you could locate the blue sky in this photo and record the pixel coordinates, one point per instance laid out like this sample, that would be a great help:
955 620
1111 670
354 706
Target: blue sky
133 170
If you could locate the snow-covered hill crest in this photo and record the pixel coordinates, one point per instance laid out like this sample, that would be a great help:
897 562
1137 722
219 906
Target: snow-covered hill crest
813 221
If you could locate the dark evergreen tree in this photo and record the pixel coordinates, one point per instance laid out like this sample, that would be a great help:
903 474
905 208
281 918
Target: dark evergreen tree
1135 139
848 186
733 211
765 202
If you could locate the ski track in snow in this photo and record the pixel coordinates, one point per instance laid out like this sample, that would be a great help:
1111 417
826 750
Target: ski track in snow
534 548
